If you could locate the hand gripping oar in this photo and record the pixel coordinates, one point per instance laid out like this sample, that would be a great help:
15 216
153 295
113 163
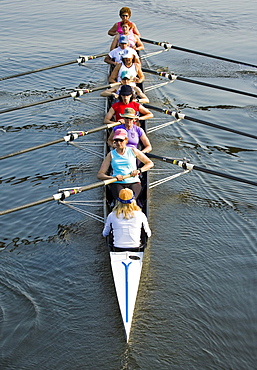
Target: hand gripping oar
178 115
75 94
188 166
173 77
167 45
80 60
69 137
63 194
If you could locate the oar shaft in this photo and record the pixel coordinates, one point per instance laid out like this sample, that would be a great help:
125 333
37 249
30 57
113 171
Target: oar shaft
82 60
73 95
182 116
63 195
68 138
34 104
216 86
38 70
238 132
38 202
100 128
180 78
32 148
189 166
197 52
213 56
225 175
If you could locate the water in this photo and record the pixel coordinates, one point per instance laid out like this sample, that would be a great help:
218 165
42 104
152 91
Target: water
197 302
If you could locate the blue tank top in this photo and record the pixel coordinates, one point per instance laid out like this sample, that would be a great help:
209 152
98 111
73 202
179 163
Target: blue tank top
124 164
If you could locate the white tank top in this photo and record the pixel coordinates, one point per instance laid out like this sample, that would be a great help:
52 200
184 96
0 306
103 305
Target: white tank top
132 70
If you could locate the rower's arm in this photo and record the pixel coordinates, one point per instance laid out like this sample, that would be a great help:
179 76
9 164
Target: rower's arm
141 76
146 226
104 168
146 143
115 42
144 159
145 113
110 92
107 226
139 44
109 60
110 140
113 31
114 75
135 30
141 97
109 115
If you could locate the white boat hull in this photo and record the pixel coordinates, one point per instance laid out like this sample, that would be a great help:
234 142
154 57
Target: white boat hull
126 269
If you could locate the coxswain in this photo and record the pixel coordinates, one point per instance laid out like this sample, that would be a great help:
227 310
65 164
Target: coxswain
125 222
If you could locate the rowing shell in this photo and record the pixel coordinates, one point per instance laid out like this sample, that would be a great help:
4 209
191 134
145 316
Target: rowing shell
126 266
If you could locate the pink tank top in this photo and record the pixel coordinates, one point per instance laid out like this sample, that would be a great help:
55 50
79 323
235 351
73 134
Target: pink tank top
119 29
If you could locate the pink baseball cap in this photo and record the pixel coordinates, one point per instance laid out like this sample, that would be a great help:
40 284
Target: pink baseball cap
120 133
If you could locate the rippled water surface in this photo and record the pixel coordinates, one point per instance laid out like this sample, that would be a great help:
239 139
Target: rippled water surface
196 307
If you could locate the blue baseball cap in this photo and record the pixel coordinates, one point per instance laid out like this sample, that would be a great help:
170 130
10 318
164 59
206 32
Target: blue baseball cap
123 39
125 74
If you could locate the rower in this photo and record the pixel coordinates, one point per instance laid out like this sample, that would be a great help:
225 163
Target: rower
135 134
123 161
126 100
126 79
115 55
125 222
125 13
128 63
133 40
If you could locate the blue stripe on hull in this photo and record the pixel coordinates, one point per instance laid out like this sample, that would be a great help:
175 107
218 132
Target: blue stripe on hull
126 287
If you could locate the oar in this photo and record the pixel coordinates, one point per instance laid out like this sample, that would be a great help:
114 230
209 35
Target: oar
167 45
63 195
69 137
188 166
178 115
80 60
173 77
74 94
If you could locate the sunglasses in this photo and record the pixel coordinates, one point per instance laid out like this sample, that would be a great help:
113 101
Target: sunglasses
124 15
118 140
